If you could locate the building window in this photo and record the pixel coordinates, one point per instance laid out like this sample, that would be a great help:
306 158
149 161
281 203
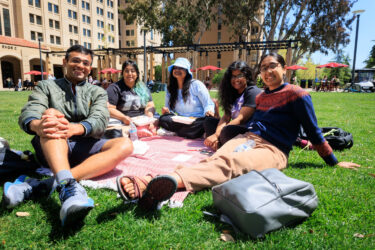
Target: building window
87 6
39 20
7 29
218 64
31 2
50 21
83 4
88 19
37 3
219 23
52 39
218 56
56 9
71 42
50 7
33 35
75 29
31 17
40 37
70 28
84 32
1 29
58 40
57 25
218 37
89 33
152 34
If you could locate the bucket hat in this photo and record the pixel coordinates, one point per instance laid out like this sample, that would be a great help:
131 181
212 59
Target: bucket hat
182 63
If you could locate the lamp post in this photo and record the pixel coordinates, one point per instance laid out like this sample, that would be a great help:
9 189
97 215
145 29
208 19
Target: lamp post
356 12
41 61
144 29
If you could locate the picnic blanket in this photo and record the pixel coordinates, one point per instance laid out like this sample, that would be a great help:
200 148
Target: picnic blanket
164 154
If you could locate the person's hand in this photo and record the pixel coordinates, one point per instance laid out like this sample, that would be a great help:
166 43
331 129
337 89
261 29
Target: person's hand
52 125
210 113
350 165
212 141
126 120
152 128
165 110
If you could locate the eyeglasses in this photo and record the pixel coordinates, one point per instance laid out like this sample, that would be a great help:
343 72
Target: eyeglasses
76 60
239 76
178 68
271 66
130 71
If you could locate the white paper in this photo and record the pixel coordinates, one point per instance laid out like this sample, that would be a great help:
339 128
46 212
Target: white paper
181 157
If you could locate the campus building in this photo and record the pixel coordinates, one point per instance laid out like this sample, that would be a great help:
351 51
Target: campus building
59 24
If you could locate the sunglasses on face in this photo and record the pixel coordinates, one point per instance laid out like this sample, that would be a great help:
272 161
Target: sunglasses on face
239 76
177 68
271 66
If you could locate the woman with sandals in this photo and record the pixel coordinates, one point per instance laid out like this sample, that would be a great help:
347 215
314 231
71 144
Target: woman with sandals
280 111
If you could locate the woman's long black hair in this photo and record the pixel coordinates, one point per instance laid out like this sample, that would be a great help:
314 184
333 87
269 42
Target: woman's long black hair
228 94
173 88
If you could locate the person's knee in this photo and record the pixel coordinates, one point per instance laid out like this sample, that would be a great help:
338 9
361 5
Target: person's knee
122 147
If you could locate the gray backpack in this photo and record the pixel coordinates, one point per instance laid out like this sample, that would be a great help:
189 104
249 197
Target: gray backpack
259 202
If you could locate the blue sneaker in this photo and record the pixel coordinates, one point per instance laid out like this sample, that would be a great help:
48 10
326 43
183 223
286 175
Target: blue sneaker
23 188
75 204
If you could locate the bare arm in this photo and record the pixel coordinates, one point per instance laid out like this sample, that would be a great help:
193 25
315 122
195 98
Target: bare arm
115 113
150 109
245 114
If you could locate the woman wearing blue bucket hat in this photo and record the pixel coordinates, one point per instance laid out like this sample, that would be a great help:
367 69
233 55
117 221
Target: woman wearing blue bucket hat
186 97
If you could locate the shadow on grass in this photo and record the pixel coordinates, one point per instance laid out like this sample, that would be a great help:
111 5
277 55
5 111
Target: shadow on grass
139 213
52 211
302 165
221 227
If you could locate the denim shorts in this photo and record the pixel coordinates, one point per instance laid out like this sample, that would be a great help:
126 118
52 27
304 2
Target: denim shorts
80 148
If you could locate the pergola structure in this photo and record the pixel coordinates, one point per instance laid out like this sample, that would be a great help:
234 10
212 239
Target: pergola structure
197 53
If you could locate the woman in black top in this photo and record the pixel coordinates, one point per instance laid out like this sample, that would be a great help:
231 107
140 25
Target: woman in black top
237 98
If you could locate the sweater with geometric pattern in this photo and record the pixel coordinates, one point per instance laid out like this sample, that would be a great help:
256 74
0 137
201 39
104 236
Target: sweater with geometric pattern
279 115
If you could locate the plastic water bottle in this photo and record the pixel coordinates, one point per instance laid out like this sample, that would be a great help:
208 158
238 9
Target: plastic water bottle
249 144
133 132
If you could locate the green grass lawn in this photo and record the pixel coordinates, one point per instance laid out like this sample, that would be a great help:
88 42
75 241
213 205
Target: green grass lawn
346 197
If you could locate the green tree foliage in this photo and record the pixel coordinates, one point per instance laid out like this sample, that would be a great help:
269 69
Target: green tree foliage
158 72
319 25
309 73
178 20
216 80
370 62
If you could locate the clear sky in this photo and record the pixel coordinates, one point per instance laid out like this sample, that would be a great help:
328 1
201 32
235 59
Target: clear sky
366 36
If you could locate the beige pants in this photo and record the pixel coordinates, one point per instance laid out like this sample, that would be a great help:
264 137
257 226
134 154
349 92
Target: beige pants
226 164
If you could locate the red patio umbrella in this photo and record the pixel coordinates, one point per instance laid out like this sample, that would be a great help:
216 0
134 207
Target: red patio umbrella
110 71
296 67
209 67
35 72
333 65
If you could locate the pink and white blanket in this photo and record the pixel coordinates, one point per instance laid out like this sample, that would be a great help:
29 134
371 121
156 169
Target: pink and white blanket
164 154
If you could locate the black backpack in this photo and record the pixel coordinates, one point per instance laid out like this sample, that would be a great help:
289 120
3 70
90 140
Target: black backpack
15 162
337 138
